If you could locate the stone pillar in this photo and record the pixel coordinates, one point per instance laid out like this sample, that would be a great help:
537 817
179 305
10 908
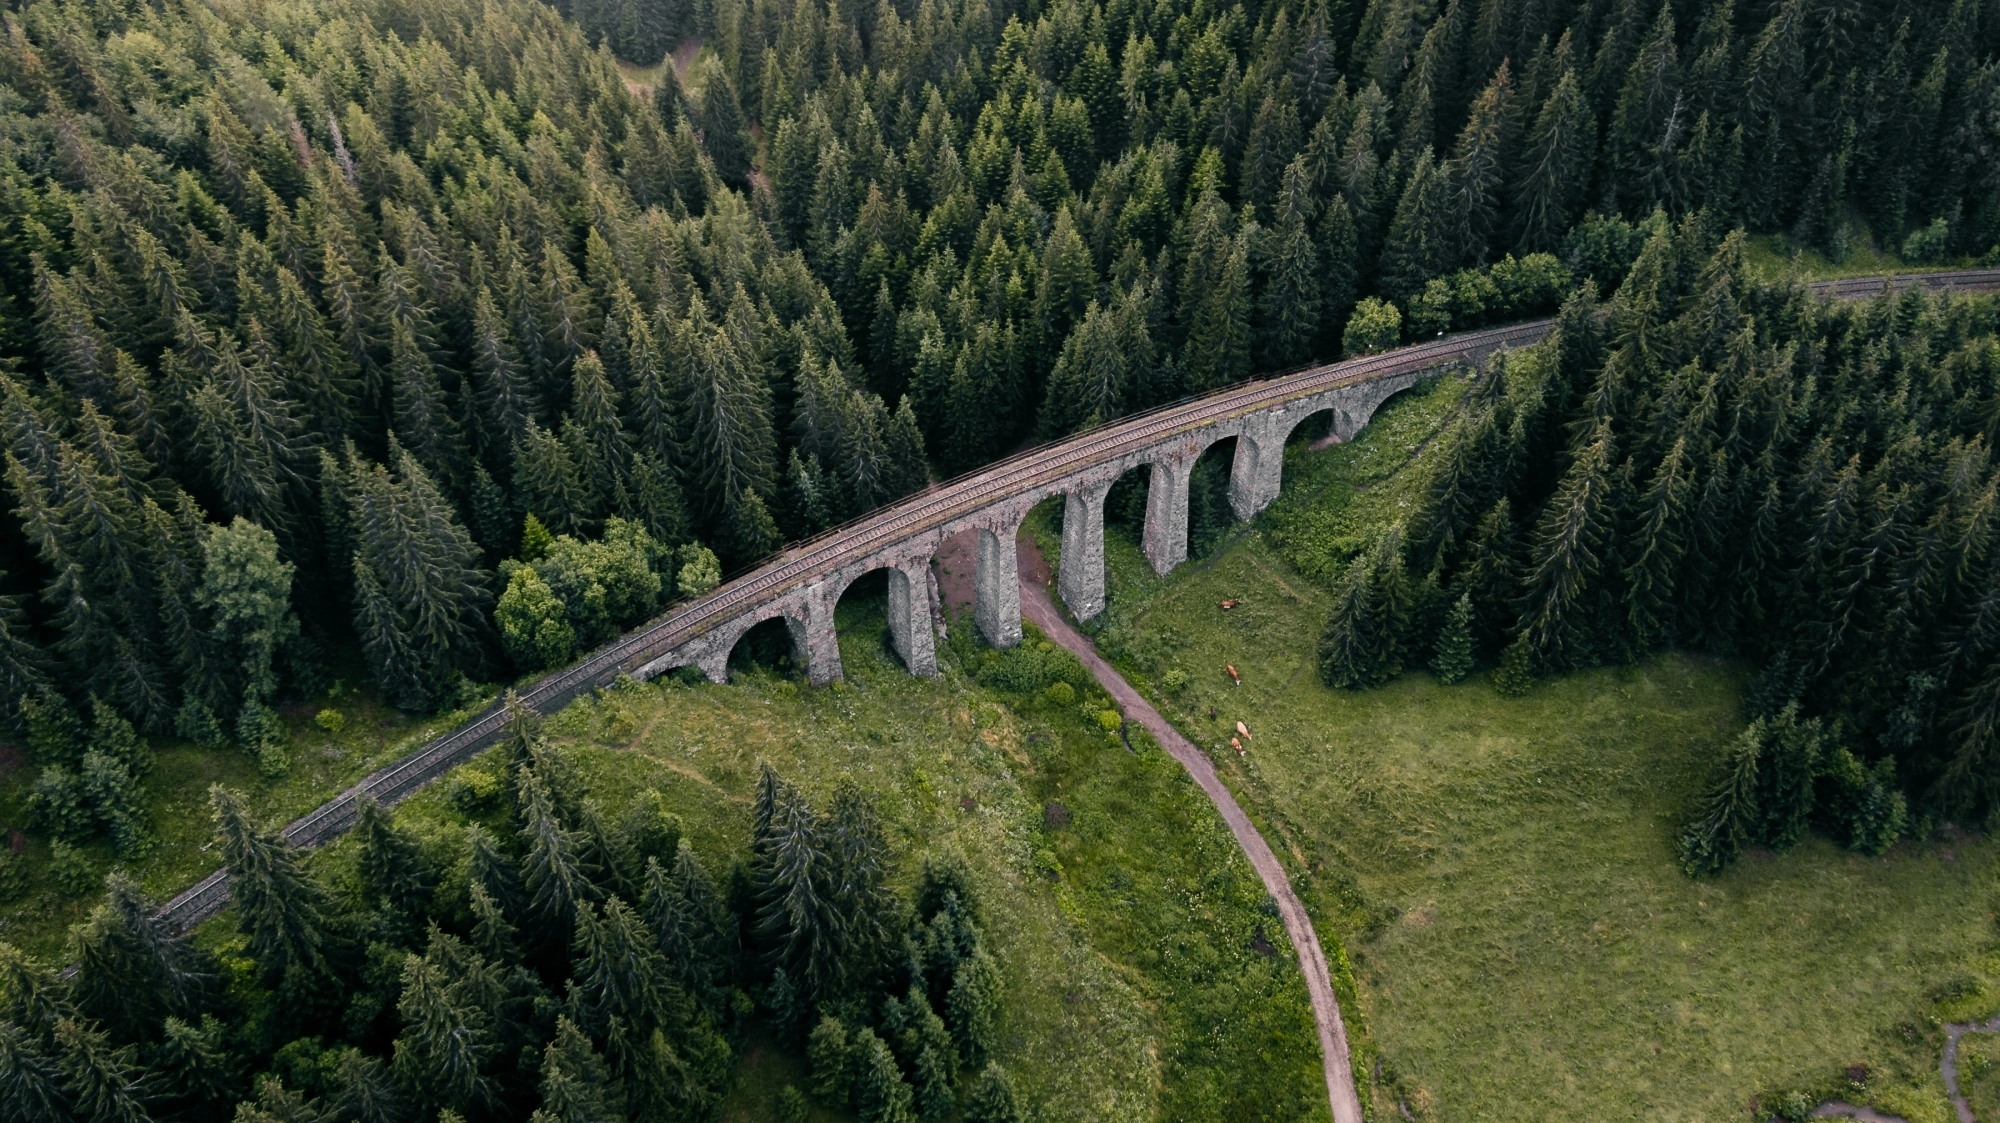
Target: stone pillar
996 603
1258 472
1081 581
715 665
815 644
910 628
1166 538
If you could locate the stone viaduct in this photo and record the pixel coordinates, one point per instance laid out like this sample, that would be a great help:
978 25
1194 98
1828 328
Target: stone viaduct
802 585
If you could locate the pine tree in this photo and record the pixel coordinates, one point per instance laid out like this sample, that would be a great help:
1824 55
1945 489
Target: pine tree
195 1061
971 1006
1555 167
1478 167
105 1084
556 878
278 905
389 863
1453 659
132 969
446 1041
1725 819
992 1098
576 1086
31 1084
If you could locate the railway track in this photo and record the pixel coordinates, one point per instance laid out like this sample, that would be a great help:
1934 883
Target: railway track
955 499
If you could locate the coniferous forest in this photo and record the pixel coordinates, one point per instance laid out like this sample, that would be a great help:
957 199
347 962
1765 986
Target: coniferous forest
309 308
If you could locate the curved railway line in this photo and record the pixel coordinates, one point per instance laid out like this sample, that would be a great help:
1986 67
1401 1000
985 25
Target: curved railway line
1024 474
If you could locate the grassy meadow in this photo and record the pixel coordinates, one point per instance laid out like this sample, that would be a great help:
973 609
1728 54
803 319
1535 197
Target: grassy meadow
1501 870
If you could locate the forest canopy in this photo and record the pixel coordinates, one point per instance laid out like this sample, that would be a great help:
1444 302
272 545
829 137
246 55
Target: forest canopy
345 293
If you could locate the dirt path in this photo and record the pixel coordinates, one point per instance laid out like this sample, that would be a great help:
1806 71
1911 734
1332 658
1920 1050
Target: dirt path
1947 1068
1039 607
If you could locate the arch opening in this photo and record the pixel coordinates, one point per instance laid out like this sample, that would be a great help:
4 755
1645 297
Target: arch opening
771 646
1314 432
862 620
1210 515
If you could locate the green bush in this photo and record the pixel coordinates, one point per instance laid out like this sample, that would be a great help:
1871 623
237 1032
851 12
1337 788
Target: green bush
71 869
1030 668
330 719
474 790
1109 720
1059 693
1174 681
1929 245
700 571
534 624
13 875
1375 326
59 806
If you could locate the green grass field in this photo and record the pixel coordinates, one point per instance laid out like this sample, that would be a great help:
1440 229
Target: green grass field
1501 870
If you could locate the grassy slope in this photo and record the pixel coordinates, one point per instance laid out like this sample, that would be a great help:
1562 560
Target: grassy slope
1134 988
1501 869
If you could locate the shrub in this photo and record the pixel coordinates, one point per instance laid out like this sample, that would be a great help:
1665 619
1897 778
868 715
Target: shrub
71 869
13 875
534 624
1109 720
474 790
1375 326
1174 681
330 719
260 730
1059 693
1930 245
700 571
792 1105
1431 309
1029 668
59 805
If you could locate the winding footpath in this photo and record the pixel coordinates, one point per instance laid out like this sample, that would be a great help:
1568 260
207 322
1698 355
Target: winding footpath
1947 1068
1039 607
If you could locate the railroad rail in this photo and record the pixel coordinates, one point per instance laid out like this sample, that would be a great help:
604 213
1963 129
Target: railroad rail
1083 465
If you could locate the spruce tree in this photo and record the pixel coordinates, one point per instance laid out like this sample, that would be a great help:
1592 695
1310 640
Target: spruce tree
554 873
992 1098
132 969
1726 816
881 1095
576 1086
278 905
1292 302
1555 167
1363 642
390 865
31 1083
446 1041
1453 658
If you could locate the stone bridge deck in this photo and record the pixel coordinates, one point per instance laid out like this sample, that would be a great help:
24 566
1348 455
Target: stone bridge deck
802 584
